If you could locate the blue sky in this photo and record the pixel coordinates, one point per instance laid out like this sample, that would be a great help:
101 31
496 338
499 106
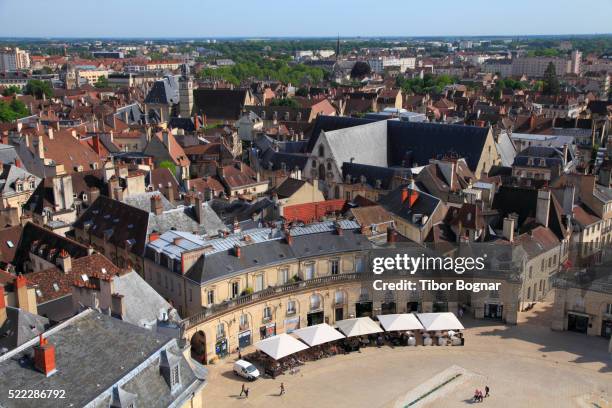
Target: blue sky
316 18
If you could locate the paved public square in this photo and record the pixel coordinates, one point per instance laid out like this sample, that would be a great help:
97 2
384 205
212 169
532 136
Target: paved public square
525 366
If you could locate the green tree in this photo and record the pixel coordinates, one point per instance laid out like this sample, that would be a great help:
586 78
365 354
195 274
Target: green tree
360 70
167 164
302 92
11 90
10 111
102 82
38 89
292 103
551 82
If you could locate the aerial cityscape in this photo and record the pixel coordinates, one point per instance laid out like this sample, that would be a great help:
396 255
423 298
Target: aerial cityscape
357 206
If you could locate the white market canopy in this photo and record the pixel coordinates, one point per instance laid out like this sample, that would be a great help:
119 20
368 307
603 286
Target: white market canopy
397 322
280 346
440 321
318 334
358 327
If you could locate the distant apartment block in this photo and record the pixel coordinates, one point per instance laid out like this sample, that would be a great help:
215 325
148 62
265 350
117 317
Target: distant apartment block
13 59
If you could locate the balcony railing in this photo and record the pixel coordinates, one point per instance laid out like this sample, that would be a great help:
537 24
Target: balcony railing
269 293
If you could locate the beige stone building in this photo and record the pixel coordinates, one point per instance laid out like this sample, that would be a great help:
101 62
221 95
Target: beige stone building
583 302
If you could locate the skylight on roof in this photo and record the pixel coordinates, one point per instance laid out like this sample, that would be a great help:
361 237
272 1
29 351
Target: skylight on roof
85 278
10 244
56 287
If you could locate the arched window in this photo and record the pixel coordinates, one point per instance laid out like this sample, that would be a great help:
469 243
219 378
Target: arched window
321 172
321 151
315 302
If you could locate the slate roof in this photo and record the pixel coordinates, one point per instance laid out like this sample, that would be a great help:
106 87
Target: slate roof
238 209
276 159
10 174
164 92
329 123
142 304
143 201
219 103
8 154
425 204
219 265
94 354
120 223
373 173
289 187
45 244
19 327
417 142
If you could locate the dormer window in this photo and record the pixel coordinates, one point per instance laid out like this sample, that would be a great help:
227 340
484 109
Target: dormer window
19 186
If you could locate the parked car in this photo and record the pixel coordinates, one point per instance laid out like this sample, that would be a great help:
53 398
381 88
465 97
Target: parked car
246 370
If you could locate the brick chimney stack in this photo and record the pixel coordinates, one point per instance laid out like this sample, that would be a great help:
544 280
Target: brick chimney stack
237 251
391 235
44 357
65 261
2 306
157 207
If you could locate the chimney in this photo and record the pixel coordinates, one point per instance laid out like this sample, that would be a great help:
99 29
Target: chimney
50 133
23 300
44 357
288 237
404 194
532 121
339 230
2 306
391 235
95 141
40 148
237 251
65 261
168 191
197 208
543 207
508 231
236 228
157 207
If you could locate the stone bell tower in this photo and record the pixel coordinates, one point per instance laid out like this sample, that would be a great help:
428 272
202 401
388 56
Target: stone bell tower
185 92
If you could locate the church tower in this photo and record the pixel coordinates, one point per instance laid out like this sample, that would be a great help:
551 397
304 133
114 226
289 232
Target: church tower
185 93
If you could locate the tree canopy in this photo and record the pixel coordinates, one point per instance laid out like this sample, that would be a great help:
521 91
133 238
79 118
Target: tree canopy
38 89
551 82
292 103
429 84
102 82
13 110
361 69
266 69
11 90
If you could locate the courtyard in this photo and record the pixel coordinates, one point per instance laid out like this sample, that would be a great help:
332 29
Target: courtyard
525 366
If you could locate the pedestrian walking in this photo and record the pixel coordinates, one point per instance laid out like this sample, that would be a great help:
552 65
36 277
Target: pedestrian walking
243 390
487 391
282 389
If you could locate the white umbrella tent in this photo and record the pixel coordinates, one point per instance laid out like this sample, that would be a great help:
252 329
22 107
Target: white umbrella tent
400 322
360 326
318 334
440 321
280 346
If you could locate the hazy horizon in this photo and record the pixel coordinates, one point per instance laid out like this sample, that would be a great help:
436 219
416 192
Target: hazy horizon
140 19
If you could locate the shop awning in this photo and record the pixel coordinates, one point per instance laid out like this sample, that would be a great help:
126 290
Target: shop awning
358 327
318 334
397 322
281 345
440 321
